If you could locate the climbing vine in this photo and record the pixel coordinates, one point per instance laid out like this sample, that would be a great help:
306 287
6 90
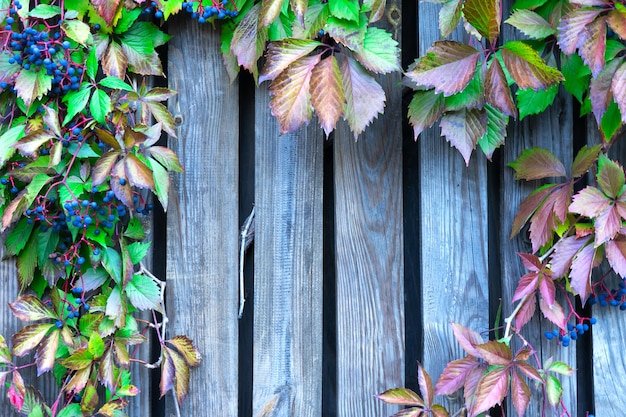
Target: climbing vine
80 157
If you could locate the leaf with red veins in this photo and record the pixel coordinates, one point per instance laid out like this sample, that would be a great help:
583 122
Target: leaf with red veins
607 224
106 9
529 206
495 353
291 98
426 385
564 252
542 224
553 312
484 16
580 275
497 91
590 202
527 68
617 20
425 108
463 128
327 94
448 66
531 262
600 92
401 396
616 255
592 45
281 54
467 338
585 158
525 313
537 163
547 289
610 177
114 61
491 390
527 285
453 376
520 393
571 27
365 98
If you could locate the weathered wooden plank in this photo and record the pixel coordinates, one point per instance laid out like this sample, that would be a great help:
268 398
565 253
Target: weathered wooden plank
454 235
370 260
287 357
553 130
202 224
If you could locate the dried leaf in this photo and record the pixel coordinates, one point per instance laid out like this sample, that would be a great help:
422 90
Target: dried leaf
114 61
448 66
185 347
327 95
46 353
617 20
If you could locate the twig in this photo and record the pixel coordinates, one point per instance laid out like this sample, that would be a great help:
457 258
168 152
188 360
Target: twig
509 319
176 407
246 237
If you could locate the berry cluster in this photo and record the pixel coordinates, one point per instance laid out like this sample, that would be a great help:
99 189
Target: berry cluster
203 14
573 332
153 7
613 297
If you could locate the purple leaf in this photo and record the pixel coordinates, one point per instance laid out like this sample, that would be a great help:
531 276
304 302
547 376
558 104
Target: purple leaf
491 390
616 254
520 393
467 338
453 376
530 261
553 312
463 128
580 277
426 385
529 206
495 353
537 163
607 224
526 285
590 202
525 313
547 289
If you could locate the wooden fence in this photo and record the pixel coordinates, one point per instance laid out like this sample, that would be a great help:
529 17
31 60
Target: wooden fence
363 254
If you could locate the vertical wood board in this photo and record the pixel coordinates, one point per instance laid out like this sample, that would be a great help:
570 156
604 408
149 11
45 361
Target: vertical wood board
202 224
370 260
287 358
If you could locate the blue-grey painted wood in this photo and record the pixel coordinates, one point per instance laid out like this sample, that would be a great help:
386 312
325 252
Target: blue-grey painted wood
287 358
202 221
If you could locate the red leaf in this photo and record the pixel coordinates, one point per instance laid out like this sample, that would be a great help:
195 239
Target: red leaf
327 94
616 254
589 202
400 396
537 163
495 353
600 92
527 68
607 224
610 177
553 312
580 276
526 286
497 91
525 313
547 289
617 20
467 339
592 45
426 385
528 370
424 110
529 206
542 224
103 166
106 9
448 66
564 252
585 158
491 390
471 385
561 199
138 173
531 262
572 25
454 375
463 128
520 394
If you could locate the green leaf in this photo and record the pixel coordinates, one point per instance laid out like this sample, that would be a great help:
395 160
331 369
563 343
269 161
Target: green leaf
449 17
76 30
484 16
344 9
585 158
100 106
610 177
349 33
18 237
527 68
611 122
554 390
314 19
138 44
27 261
72 410
96 345
471 97
80 359
448 66
577 75
30 308
45 11
161 182
528 4
115 83
112 262
126 19
46 244
166 157
93 279
32 85
380 53
7 140
425 109
530 101
401 396
496 131
138 251
134 230
76 102
143 292
531 24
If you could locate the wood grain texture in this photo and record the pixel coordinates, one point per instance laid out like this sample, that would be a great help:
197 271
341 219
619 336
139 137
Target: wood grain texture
370 260
609 334
287 356
553 130
202 221
454 236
